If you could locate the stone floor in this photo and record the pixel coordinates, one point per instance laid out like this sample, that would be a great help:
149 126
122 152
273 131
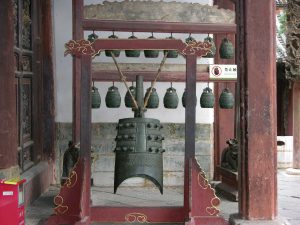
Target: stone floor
288 200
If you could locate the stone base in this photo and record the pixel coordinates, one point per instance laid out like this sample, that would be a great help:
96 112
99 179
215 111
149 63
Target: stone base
11 172
292 171
228 192
236 220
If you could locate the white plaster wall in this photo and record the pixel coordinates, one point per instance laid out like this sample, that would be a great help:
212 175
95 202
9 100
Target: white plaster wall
63 33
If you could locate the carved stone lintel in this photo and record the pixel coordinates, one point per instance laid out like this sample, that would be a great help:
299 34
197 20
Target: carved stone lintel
159 11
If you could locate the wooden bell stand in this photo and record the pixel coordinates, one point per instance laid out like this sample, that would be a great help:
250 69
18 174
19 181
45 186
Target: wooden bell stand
73 204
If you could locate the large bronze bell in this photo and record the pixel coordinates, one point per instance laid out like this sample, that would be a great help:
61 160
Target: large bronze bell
171 98
171 53
113 97
226 49
226 99
183 99
212 52
153 101
138 149
132 53
128 100
115 52
151 53
207 99
96 99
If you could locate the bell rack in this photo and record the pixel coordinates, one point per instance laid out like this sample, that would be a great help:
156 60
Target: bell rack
73 204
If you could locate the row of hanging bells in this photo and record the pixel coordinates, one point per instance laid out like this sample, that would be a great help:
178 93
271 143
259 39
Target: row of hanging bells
171 100
226 50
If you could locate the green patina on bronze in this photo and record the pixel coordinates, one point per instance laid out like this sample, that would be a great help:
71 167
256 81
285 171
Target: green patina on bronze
207 99
139 151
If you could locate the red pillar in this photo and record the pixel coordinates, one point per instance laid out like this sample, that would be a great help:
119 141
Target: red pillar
224 120
8 123
296 125
257 107
77 35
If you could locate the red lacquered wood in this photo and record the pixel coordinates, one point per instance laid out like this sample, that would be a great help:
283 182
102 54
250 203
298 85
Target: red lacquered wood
137 214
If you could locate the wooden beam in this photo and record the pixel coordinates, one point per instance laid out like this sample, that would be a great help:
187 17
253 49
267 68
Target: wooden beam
106 75
157 26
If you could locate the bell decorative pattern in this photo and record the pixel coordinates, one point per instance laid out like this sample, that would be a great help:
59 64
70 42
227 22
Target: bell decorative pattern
171 98
113 97
226 49
153 101
96 99
139 151
212 52
132 53
226 99
151 53
128 100
207 99
115 52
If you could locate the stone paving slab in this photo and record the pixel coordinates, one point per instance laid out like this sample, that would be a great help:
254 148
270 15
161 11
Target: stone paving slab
288 200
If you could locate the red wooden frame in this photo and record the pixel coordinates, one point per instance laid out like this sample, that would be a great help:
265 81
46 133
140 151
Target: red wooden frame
78 207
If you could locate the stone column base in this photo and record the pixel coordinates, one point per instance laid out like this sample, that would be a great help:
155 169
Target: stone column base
292 171
10 172
234 219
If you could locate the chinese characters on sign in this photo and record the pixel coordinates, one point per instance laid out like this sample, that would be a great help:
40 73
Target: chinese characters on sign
222 72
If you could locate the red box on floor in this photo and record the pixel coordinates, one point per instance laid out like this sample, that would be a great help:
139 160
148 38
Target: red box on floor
12 211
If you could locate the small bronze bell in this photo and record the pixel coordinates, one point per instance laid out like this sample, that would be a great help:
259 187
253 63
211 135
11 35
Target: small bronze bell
132 53
226 99
115 52
91 38
128 100
207 99
183 99
113 97
189 39
171 98
153 101
171 53
226 49
96 99
151 53
212 52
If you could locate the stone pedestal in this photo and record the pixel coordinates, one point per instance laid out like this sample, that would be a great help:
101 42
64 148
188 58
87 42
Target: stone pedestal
229 184
236 220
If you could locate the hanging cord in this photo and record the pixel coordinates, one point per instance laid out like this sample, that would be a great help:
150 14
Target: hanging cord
156 77
123 78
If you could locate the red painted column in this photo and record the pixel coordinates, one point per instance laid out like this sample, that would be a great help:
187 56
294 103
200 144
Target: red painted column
77 35
257 107
296 125
8 123
224 119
